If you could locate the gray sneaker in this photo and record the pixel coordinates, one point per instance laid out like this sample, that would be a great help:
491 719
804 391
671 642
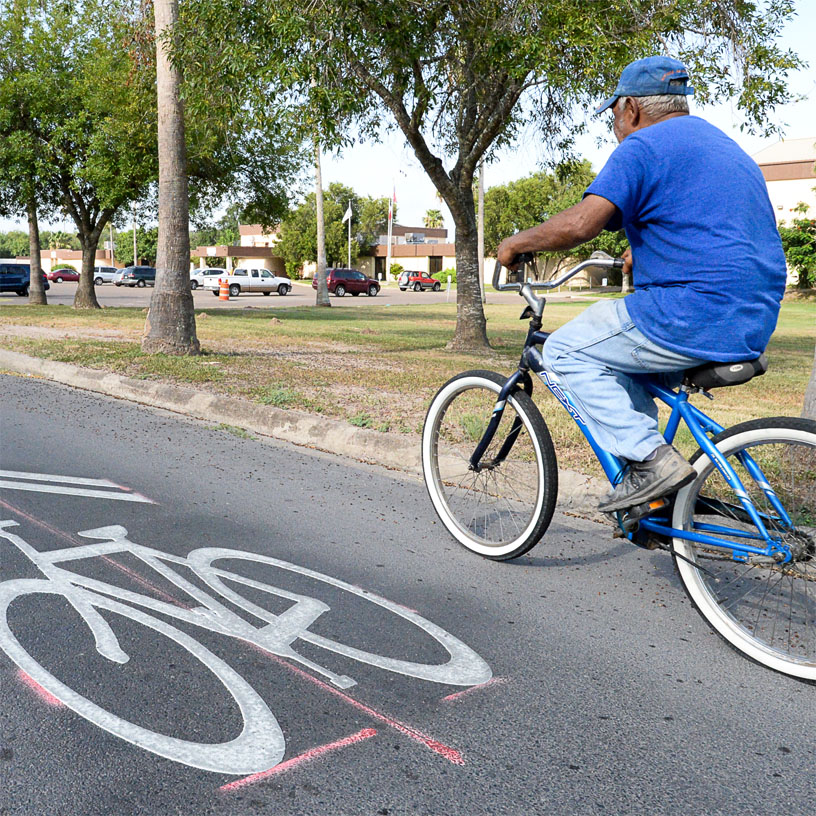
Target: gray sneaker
667 472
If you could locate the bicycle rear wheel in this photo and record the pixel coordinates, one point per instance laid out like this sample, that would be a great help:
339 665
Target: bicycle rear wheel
503 510
764 609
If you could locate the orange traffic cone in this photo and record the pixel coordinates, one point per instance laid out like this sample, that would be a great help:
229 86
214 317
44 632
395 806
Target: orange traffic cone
223 291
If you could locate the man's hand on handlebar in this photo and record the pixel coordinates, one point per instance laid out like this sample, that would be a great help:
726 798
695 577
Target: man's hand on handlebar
627 262
509 257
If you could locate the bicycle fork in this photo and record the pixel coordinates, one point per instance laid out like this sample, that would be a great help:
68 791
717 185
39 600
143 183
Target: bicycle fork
512 384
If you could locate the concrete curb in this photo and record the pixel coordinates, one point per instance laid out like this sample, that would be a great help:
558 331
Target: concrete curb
578 493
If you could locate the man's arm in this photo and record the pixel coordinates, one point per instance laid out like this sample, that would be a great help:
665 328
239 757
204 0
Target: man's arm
566 230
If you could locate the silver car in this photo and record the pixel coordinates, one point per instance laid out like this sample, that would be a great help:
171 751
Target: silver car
104 274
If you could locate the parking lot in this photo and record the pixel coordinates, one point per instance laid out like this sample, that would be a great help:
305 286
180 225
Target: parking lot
302 294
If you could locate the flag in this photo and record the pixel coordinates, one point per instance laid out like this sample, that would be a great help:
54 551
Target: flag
347 215
391 204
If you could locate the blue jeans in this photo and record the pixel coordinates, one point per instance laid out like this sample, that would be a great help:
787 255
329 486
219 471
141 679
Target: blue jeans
592 356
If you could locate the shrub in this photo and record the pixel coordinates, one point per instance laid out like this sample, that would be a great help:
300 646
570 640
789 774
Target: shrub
396 270
799 243
442 276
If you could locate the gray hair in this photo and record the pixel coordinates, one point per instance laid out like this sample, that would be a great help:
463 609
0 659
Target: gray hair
656 106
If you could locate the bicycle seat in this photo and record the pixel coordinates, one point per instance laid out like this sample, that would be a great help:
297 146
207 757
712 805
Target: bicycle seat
720 375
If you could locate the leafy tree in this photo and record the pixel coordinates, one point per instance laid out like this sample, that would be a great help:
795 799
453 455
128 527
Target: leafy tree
461 78
525 203
373 221
799 243
27 90
13 243
85 138
298 230
146 246
57 239
433 219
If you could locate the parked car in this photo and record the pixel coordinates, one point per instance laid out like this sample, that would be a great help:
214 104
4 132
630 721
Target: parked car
140 276
352 281
250 280
17 278
67 273
104 274
201 276
417 281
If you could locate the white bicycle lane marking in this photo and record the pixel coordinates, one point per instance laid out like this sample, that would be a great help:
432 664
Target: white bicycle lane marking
260 745
53 483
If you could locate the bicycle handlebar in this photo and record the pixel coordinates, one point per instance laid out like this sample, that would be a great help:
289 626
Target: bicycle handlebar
605 262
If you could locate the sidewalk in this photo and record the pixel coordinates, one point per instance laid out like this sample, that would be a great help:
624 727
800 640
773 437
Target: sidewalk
578 493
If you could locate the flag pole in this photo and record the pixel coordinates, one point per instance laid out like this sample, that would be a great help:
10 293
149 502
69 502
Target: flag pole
349 237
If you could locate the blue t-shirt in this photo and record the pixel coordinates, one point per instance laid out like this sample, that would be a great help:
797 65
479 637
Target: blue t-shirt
709 270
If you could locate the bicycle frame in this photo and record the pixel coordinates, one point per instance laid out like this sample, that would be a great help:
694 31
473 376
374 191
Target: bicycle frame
699 424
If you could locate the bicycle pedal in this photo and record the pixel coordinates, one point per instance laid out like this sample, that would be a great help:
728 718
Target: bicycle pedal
630 520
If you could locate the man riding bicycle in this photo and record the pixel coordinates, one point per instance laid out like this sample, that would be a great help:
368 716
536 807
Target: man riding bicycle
709 271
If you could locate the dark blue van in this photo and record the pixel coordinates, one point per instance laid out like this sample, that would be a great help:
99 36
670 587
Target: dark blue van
15 277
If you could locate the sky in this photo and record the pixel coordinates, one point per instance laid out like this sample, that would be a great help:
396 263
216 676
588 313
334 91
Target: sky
377 169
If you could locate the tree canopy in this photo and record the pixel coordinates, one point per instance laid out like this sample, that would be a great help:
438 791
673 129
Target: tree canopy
460 79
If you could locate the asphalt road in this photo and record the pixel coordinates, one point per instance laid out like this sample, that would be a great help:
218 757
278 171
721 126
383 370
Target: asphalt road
606 692
302 294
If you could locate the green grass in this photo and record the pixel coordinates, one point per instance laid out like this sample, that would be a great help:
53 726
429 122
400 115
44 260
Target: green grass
232 429
374 366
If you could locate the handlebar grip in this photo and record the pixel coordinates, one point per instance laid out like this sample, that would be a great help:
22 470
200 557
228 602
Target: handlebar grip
523 258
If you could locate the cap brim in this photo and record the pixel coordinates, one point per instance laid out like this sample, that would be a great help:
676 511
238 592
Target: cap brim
606 104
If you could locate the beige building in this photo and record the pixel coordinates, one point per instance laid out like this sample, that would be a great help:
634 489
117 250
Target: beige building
60 258
255 251
788 168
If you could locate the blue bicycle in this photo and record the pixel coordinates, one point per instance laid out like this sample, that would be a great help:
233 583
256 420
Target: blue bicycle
742 534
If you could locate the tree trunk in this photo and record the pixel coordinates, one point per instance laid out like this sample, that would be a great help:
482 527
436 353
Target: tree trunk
322 295
471 326
626 283
36 292
480 232
170 326
809 409
85 297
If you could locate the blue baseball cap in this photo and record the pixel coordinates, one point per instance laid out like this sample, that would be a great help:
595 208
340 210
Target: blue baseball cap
650 76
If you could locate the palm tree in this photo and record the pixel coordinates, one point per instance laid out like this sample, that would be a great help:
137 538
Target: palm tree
433 219
170 326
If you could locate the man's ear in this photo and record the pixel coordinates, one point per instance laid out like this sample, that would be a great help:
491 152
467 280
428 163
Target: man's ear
632 111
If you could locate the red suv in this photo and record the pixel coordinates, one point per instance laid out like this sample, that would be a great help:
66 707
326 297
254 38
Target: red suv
417 281
352 281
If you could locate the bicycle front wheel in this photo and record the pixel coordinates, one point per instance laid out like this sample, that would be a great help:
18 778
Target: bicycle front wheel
502 510
764 609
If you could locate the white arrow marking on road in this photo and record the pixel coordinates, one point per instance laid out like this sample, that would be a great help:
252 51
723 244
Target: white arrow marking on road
50 483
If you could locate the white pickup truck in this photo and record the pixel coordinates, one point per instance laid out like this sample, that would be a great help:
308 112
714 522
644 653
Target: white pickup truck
249 280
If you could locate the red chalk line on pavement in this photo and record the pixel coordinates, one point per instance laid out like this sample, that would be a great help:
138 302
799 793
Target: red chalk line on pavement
46 696
307 756
451 754
146 583
494 681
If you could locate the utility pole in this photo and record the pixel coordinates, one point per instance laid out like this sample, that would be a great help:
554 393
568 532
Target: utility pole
135 261
390 225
